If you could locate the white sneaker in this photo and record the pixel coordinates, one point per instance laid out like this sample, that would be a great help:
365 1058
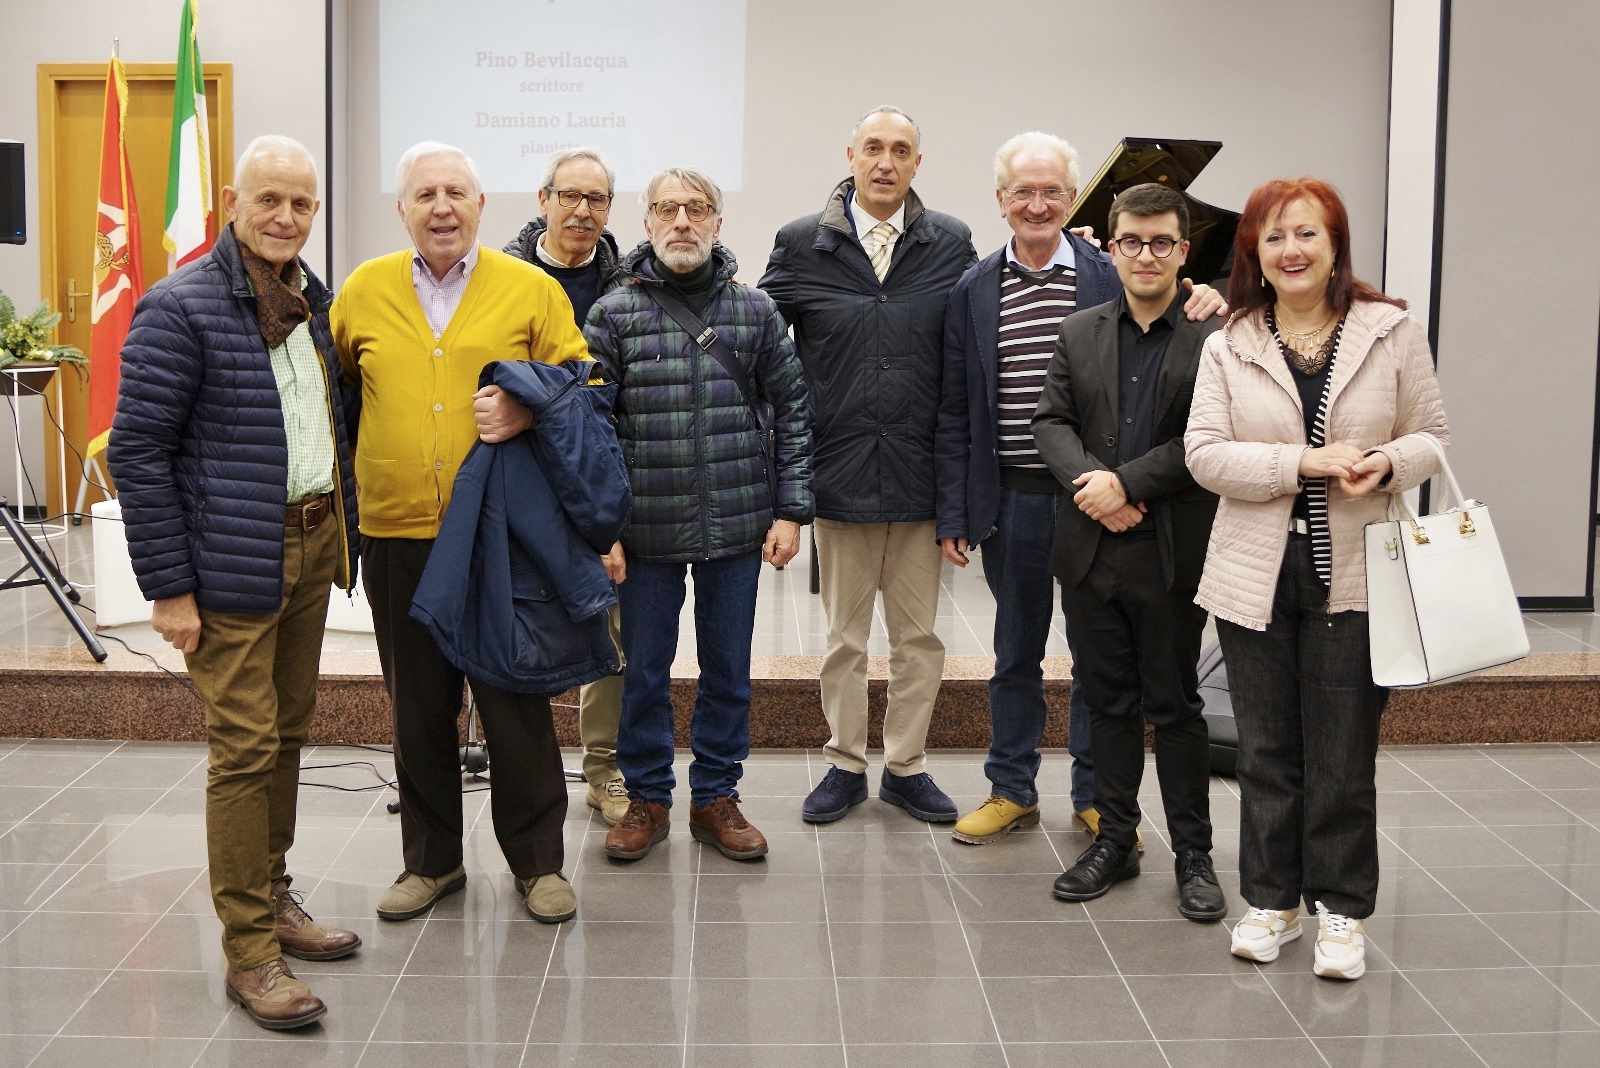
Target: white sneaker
1341 948
1259 934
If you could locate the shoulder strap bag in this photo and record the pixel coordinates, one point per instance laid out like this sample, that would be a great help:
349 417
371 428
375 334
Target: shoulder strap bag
712 345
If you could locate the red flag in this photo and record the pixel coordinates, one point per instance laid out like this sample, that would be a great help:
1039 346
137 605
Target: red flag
118 279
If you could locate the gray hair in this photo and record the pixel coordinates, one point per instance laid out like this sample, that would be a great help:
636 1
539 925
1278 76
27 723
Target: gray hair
423 149
884 109
567 156
1037 143
691 178
274 145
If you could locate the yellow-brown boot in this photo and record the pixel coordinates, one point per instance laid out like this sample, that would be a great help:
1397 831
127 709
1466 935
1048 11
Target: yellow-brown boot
993 820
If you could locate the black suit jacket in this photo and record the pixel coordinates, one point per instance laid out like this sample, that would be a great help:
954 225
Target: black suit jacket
1076 430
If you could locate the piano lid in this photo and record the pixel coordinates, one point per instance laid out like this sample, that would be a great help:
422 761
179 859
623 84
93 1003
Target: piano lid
1171 162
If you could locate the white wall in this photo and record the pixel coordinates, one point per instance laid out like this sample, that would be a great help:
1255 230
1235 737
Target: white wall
277 54
276 50
1519 300
1413 131
1259 78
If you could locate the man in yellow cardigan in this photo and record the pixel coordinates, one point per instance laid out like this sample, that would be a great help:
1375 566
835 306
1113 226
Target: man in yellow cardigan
415 328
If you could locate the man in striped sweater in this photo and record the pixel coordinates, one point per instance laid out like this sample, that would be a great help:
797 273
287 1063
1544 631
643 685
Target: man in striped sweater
994 489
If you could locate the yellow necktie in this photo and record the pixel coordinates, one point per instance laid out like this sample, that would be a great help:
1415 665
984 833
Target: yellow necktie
883 237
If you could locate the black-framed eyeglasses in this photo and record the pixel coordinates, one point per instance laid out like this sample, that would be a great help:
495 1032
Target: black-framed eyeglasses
1160 247
667 210
599 203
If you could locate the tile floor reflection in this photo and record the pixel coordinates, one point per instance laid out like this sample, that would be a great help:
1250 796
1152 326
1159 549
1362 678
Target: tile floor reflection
875 941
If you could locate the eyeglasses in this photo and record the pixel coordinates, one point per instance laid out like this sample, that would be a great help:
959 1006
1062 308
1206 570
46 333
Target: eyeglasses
599 203
1050 195
667 210
1160 247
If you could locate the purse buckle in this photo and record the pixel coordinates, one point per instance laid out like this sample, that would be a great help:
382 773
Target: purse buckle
1466 529
1419 535
1392 547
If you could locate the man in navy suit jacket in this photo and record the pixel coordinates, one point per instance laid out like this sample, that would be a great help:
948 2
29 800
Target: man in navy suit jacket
993 488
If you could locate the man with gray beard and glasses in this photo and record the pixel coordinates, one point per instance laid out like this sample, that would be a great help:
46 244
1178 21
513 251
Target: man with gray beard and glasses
707 377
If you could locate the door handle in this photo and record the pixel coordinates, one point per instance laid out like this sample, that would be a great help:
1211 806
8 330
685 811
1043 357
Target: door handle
72 299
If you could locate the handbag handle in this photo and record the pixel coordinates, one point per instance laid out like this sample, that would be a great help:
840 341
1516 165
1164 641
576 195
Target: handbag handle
1445 469
1400 509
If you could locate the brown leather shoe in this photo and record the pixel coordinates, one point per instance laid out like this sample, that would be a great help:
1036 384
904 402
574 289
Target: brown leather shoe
272 997
640 828
723 827
301 936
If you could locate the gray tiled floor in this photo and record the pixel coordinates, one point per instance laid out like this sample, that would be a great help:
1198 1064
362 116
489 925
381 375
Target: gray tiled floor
877 941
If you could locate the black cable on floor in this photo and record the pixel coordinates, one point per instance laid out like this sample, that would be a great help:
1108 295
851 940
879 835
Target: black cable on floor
173 675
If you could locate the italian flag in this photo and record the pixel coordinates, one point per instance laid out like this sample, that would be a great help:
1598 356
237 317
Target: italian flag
191 222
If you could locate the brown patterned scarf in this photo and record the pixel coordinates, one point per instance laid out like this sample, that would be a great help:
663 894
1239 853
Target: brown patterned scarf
280 306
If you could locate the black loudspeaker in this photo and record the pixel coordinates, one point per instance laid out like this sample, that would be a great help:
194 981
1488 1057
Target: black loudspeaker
13 207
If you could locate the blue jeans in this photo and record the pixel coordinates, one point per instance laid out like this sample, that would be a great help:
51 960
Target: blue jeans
724 619
1016 564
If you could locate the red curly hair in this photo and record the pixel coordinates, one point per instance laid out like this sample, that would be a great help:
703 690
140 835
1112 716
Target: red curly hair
1246 291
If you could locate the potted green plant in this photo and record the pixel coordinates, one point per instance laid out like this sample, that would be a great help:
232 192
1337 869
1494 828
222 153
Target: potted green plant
26 341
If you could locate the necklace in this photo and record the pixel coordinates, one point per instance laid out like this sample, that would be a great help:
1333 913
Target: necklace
1303 339
1308 363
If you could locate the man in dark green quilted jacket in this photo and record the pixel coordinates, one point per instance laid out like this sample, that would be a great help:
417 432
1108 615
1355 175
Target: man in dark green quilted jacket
720 463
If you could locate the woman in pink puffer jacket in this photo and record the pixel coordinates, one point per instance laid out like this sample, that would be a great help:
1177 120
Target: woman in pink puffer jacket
1314 404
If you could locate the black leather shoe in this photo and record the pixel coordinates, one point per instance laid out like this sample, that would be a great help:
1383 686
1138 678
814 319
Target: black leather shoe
1199 896
1097 869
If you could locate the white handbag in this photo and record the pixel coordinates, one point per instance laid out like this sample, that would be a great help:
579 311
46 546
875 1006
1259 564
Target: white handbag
1439 599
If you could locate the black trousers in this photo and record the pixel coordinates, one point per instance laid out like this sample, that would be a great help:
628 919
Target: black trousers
1307 713
528 792
1138 645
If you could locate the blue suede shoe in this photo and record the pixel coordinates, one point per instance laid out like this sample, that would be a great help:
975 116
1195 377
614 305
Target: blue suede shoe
837 793
918 795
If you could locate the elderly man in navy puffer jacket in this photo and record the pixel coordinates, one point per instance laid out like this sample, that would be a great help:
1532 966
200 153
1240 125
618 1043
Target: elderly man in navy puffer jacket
231 453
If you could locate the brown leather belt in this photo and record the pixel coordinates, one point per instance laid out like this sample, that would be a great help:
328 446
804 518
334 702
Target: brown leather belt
309 514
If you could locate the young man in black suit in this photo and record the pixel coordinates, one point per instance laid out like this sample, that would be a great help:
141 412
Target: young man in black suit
1130 543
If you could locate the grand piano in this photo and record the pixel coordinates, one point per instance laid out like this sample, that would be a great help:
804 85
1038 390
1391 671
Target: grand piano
1177 163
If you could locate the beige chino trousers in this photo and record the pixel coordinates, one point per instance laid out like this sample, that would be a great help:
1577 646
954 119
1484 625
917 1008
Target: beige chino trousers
599 716
856 561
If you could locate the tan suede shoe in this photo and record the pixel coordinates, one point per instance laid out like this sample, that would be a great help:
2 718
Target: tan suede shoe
610 799
549 898
413 894
301 936
272 997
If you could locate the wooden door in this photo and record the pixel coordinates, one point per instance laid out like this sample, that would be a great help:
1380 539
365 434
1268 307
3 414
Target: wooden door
71 106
